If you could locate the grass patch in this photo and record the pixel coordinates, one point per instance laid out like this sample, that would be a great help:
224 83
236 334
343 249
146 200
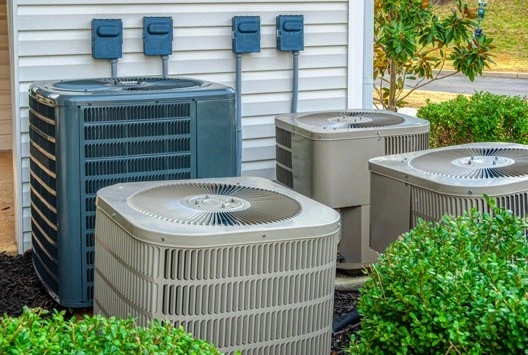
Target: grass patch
506 21
418 98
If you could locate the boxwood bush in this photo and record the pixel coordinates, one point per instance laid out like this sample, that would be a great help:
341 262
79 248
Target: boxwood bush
483 117
35 332
459 286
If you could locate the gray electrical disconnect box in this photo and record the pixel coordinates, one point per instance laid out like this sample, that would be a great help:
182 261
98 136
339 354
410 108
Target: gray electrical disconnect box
246 34
107 38
157 35
290 33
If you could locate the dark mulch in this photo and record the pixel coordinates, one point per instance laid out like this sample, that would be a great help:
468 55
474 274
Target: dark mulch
344 302
20 286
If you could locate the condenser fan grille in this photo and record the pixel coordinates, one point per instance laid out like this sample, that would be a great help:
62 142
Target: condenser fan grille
214 204
474 163
347 120
126 84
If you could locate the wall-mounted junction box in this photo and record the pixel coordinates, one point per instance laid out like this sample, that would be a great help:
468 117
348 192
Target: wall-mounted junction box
290 33
107 38
157 35
246 34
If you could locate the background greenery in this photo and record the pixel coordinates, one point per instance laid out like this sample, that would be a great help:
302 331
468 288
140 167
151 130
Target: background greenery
457 286
35 332
482 117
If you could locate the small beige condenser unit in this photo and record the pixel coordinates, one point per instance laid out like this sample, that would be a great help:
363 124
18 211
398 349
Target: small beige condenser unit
450 180
241 262
324 155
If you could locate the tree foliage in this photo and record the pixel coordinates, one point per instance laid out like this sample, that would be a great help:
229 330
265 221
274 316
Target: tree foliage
413 42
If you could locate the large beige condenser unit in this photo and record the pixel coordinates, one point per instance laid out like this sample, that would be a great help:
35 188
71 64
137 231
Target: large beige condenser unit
242 262
450 180
324 155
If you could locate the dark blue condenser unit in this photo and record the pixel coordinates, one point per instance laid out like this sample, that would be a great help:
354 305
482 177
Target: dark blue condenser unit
88 134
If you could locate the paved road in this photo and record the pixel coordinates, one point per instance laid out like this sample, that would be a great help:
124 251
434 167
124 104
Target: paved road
462 85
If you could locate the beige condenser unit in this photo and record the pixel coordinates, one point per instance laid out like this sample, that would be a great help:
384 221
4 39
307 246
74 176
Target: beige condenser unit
450 180
324 155
242 262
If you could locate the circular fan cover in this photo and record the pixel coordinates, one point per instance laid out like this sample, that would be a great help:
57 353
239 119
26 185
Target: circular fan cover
214 204
347 120
126 84
474 163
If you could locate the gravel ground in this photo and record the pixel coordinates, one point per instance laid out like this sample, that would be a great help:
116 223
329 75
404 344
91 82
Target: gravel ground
20 286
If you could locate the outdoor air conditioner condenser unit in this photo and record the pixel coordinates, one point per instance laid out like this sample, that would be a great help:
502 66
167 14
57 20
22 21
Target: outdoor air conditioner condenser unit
90 133
244 263
450 180
324 155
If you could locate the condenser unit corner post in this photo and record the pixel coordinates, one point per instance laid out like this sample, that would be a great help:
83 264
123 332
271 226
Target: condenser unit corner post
216 136
90 133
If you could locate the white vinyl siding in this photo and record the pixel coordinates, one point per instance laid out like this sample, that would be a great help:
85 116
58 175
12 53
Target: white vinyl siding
54 42
5 84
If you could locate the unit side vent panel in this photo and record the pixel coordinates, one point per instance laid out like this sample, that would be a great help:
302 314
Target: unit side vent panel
283 137
517 203
136 113
168 128
285 287
43 191
432 206
132 143
406 143
284 168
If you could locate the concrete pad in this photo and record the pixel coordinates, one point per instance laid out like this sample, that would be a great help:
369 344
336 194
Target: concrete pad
408 111
348 282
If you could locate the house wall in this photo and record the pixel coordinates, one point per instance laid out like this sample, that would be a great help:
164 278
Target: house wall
52 40
5 96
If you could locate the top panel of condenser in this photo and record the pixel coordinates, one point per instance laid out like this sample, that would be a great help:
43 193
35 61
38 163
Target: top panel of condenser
125 89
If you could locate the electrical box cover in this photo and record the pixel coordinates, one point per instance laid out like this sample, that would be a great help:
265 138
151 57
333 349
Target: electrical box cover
246 34
290 33
157 35
107 38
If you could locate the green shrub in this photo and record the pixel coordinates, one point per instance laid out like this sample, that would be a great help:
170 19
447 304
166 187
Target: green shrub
31 333
459 286
483 117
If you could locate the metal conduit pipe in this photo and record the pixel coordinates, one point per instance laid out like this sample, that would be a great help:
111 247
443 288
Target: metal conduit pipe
238 89
165 66
295 86
113 63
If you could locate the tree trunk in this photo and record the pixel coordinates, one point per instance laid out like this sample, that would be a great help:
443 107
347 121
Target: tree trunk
391 104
